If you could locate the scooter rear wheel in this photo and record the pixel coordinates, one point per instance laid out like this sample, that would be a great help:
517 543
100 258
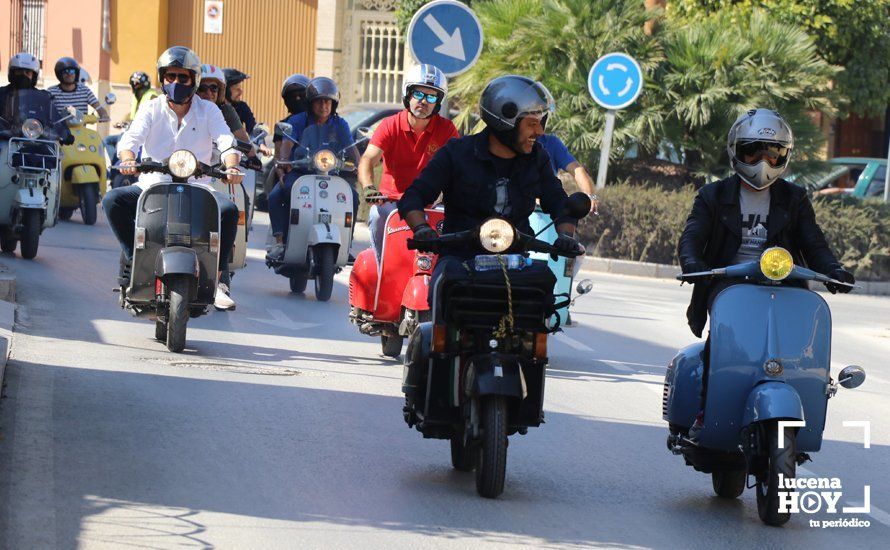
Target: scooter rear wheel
66 213
8 242
160 331
298 283
491 461
780 462
729 483
392 345
463 457
177 320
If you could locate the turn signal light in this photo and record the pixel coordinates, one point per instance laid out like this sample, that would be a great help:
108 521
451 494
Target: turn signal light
439 332
140 238
348 221
242 218
541 345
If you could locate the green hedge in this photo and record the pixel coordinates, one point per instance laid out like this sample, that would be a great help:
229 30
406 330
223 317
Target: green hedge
644 224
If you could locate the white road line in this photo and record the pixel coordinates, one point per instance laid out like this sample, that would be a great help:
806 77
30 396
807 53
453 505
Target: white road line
874 511
572 342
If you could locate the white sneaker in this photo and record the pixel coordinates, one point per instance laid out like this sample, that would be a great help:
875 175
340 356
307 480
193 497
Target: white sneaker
221 301
276 253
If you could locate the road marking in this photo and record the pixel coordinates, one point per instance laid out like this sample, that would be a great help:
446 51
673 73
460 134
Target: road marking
874 511
280 319
572 342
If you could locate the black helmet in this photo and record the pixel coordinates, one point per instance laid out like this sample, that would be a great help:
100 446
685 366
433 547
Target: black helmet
140 81
183 58
67 63
508 99
322 87
233 76
295 82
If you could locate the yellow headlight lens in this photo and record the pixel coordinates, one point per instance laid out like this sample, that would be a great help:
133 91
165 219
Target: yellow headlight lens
496 235
325 161
776 263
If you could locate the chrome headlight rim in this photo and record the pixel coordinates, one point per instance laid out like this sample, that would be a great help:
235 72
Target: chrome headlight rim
182 163
324 160
32 128
497 235
776 263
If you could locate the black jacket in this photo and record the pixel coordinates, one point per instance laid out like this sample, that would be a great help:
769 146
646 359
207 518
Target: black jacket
245 114
464 171
713 234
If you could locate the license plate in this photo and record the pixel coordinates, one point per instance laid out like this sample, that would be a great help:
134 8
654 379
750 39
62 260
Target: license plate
324 218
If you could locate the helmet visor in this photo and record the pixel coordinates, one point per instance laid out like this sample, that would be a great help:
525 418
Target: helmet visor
751 152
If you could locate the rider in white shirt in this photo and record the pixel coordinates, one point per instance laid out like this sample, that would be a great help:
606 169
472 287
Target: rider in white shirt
183 121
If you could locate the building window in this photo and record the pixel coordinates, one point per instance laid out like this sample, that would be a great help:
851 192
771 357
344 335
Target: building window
381 54
27 28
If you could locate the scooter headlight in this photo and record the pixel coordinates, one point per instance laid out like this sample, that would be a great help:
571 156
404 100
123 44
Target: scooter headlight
325 160
32 128
182 163
497 235
776 263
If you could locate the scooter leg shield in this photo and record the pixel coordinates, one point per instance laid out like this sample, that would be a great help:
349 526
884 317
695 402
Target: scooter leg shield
681 399
772 400
416 293
363 281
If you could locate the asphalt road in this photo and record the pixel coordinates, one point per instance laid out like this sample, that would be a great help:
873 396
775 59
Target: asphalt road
280 426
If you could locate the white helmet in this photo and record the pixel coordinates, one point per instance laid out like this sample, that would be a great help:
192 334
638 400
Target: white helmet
85 78
425 75
24 60
760 131
214 72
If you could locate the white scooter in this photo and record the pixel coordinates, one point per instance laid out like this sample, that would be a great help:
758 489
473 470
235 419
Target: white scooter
321 216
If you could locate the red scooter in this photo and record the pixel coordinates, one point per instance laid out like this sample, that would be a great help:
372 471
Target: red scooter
389 300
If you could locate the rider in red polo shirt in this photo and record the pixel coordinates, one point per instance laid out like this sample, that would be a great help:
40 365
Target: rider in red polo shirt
406 141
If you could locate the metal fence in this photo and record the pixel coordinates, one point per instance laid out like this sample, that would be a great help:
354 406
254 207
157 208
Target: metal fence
381 56
27 25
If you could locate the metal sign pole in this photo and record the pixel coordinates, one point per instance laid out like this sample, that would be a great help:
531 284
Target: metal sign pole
887 174
605 149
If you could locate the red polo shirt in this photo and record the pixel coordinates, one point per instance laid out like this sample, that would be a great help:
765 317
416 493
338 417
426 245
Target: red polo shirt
405 152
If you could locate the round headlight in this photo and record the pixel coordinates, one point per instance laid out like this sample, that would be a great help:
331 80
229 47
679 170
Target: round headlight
81 147
496 235
182 163
776 263
325 160
32 128
424 263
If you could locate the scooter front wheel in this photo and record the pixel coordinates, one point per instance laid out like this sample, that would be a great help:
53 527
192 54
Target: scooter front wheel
781 462
30 233
491 461
177 319
325 257
89 198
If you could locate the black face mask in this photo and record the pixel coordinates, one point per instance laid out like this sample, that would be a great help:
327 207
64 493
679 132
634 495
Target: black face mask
20 81
296 104
178 93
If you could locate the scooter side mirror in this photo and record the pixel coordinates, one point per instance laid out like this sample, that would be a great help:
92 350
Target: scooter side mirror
851 377
283 128
364 132
259 132
110 99
584 286
71 110
577 205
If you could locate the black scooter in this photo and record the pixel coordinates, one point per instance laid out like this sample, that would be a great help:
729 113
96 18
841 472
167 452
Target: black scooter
475 374
176 251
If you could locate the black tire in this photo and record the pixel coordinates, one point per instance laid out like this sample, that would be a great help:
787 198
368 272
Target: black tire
491 460
178 317
463 457
780 461
325 257
729 483
30 237
160 331
66 213
8 242
89 199
298 283
392 345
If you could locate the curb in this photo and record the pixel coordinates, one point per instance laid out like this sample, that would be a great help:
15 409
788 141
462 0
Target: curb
7 316
664 271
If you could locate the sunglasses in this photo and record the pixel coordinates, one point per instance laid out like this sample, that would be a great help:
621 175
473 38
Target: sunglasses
208 88
180 77
69 71
762 148
420 96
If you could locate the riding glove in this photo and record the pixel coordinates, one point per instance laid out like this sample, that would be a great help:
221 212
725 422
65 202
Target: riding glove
843 276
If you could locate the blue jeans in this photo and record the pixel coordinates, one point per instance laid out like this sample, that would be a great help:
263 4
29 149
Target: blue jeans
377 223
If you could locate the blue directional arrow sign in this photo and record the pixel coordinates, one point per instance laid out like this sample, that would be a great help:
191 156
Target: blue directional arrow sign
615 81
447 34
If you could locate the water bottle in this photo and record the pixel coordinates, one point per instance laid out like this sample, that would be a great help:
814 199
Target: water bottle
488 262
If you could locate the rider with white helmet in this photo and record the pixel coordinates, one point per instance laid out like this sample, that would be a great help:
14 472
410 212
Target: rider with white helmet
406 142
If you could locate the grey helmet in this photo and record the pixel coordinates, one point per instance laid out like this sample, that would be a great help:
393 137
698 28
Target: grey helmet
183 58
24 60
295 82
760 131
506 100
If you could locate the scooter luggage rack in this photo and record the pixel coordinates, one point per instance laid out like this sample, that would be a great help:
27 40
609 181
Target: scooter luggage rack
24 156
481 306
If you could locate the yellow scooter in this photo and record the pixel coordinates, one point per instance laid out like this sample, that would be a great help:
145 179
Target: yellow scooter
83 168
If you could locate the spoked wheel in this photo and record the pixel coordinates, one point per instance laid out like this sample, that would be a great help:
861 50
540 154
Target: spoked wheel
89 198
491 461
729 483
160 331
780 462
392 345
298 283
325 257
30 233
463 457
8 242
177 319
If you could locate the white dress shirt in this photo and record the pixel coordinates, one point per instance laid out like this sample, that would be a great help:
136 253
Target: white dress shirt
157 130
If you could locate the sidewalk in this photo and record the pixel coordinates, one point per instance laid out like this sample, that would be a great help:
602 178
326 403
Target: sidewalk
7 316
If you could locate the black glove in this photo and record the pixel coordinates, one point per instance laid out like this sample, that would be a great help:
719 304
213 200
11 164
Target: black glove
67 140
697 267
374 196
566 245
842 275
423 232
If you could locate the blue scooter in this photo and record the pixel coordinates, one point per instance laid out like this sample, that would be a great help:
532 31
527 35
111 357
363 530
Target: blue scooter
769 367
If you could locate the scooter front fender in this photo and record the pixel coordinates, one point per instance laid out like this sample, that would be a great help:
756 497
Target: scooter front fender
495 374
324 234
85 173
416 293
177 260
772 400
30 198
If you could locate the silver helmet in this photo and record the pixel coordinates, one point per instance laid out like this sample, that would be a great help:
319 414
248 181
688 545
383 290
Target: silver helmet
760 135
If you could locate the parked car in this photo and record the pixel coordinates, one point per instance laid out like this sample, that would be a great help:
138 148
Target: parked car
858 176
367 115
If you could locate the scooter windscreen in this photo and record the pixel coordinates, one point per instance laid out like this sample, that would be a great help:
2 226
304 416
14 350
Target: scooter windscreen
322 137
26 106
